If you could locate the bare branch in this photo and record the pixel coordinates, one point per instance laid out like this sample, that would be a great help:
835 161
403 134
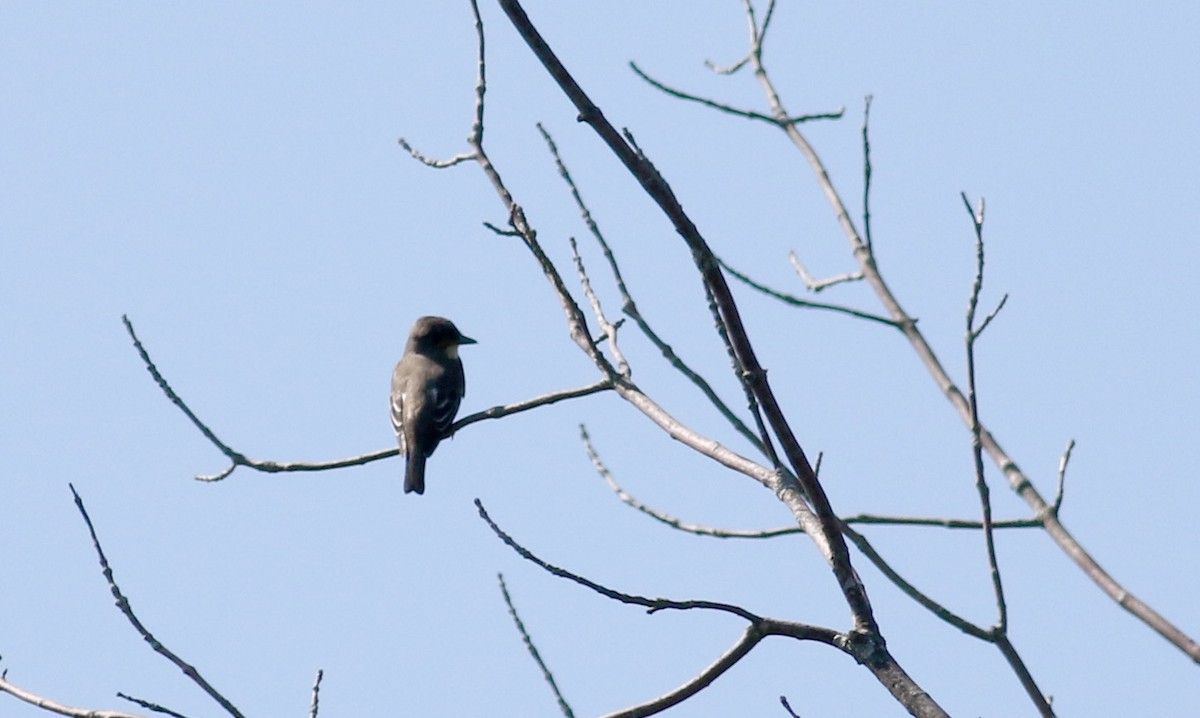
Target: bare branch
729 109
127 610
1062 476
1017 479
533 651
53 707
629 306
315 705
651 604
787 707
609 329
866 144
972 335
1031 688
148 705
749 639
798 302
816 285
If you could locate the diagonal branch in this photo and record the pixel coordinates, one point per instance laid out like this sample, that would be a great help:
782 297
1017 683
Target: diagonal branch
533 651
752 372
127 610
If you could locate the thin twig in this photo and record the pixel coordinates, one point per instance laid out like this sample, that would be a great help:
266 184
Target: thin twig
629 306
1062 476
729 109
148 705
127 610
972 335
798 302
651 604
315 705
787 707
609 329
815 285
533 651
866 145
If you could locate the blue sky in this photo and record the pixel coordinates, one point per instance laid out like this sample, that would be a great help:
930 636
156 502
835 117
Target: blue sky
229 177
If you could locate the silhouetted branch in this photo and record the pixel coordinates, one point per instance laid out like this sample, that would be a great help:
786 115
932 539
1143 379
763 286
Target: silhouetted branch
151 706
533 651
127 610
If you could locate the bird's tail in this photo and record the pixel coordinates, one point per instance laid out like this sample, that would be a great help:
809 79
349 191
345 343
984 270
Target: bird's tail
414 473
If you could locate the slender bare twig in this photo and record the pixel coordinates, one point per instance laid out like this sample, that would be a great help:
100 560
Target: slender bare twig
651 604
815 285
150 706
807 303
1062 476
972 335
314 705
127 610
787 707
609 329
533 651
748 640
748 114
866 145
54 707
999 632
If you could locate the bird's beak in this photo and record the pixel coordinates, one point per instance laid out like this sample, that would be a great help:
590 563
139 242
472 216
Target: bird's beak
466 340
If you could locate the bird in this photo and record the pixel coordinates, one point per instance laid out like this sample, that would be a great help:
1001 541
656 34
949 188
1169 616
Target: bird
428 385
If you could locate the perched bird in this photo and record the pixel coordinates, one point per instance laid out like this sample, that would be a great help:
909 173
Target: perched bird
427 387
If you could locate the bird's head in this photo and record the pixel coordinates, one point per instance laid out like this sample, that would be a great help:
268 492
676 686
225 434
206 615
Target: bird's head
437 334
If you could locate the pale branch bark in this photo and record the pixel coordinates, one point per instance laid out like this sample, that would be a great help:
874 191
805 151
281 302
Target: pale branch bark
54 707
609 329
1018 481
237 458
816 286
563 706
127 611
